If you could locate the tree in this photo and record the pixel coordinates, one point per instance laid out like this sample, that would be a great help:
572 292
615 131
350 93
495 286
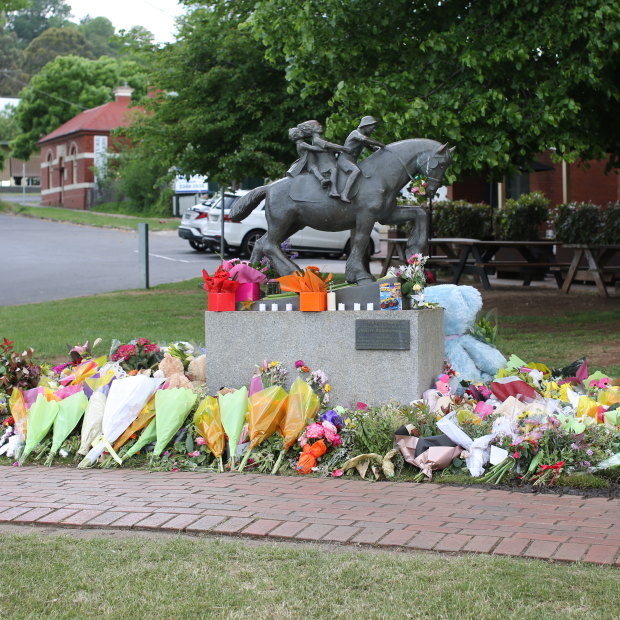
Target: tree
64 88
55 42
39 15
12 77
503 80
8 128
100 35
222 110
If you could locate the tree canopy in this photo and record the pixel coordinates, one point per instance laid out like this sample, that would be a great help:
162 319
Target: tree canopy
36 16
64 88
100 35
503 80
222 109
55 42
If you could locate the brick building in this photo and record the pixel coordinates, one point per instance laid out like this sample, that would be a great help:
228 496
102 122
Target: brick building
559 182
72 152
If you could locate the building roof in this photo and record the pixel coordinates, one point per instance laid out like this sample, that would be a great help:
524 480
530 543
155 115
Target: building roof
103 118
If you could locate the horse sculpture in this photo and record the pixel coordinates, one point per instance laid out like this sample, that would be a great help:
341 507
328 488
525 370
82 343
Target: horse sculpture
384 174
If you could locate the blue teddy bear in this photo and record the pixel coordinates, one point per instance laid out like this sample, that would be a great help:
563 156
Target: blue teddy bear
472 359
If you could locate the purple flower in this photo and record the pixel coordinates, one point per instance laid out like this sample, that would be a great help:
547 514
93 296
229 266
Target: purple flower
574 446
332 417
299 364
589 452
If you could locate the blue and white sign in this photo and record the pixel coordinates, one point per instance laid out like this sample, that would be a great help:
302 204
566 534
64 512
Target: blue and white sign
194 185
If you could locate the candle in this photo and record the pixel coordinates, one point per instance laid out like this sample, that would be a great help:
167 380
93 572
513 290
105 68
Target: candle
331 301
341 307
274 307
289 307
370 306
357 306
262 307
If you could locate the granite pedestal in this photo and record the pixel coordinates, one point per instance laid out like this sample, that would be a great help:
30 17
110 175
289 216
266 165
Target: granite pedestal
237 341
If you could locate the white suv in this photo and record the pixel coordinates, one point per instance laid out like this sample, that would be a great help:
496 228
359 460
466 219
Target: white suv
202 226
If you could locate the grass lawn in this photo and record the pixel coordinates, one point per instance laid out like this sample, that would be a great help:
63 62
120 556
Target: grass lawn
89 218
561 339
181 577
176 312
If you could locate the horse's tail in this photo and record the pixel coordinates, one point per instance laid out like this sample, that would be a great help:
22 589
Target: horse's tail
246 204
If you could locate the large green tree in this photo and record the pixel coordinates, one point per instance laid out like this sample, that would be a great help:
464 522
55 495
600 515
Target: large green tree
55 42
38 15
64 88
12 77
503 80
100 35
222 109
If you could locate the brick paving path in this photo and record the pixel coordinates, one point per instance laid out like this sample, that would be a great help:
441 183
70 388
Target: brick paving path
384 515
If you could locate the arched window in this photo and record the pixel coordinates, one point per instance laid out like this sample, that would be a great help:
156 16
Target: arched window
50 175
74 176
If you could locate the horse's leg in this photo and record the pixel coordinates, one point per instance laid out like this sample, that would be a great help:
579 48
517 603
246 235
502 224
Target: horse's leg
355 271
258 252
419 235
270 247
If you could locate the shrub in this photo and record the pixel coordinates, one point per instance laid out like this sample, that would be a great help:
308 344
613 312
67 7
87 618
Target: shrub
461 219
521 219
577 222
587 223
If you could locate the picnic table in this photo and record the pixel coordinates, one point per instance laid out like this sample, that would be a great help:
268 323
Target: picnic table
478 257
597 265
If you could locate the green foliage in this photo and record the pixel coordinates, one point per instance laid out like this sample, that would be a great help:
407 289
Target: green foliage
37 16
485 329
374 429
55 42
222 110
503 80
12 77
521 219
458 218
587 223
64 88
99 32
144 181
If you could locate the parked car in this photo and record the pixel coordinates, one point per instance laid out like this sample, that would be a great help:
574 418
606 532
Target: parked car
202 227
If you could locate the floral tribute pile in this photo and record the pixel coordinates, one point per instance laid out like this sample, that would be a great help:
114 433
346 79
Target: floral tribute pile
146 404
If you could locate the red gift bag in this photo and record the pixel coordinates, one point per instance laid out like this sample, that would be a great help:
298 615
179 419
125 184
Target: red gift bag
221 302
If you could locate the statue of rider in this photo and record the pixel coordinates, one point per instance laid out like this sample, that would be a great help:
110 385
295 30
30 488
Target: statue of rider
316 158
354 144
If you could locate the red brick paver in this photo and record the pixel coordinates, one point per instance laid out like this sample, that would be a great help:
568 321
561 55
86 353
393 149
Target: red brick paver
403 515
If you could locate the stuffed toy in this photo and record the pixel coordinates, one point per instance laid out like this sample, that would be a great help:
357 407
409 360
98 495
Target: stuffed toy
471 359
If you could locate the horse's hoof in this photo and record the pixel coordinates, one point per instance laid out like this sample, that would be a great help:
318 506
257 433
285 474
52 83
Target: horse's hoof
334 195
345 199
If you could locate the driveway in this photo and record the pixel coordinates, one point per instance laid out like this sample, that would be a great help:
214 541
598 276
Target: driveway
44 261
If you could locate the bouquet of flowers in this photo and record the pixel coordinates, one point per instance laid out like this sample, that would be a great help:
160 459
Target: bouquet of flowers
317 439
316 379
138 354
412 277
271 373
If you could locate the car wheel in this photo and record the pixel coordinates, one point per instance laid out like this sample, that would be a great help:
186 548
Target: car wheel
249 241
199 246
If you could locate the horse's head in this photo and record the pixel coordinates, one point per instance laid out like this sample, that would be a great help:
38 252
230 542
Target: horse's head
432 165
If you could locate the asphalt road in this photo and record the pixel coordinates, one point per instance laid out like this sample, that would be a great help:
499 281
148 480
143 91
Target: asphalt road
44 261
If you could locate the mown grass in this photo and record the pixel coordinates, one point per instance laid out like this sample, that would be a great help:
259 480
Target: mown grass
559 340
176 312
179 577
89 218
164 313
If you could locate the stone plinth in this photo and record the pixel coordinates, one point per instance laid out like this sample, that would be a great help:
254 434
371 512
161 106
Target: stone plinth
237 341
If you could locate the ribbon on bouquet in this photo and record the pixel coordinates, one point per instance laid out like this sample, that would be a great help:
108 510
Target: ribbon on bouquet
556 468
108 446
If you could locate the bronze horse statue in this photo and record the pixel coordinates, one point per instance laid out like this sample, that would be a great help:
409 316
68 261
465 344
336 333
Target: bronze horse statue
384 174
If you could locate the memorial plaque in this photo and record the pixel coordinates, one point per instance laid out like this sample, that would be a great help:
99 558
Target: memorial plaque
383 335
